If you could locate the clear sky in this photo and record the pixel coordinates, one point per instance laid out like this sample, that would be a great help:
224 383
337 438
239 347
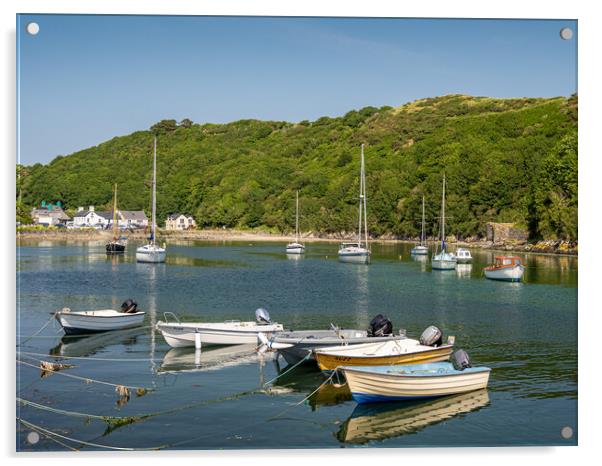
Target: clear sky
85 79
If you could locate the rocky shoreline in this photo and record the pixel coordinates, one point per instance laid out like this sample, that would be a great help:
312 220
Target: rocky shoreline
546 247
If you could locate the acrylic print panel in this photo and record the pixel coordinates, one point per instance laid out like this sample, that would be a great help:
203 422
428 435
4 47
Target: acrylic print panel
326 170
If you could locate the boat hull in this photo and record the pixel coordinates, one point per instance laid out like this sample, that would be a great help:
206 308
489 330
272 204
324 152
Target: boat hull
182 336
372 387
299 347
296 250
156 255
115 248
443 264
78 323
463 260
354 257
508 274
329 362
420 251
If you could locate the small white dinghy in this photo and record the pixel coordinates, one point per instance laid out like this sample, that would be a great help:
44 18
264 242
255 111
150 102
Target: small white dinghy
233 332
103 320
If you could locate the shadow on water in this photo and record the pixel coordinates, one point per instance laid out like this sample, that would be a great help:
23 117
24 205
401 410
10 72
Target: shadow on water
381 421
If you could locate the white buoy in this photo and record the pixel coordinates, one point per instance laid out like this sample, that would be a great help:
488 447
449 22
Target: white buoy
197 340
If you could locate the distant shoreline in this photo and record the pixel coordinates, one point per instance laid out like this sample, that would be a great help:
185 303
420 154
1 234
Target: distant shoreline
541 247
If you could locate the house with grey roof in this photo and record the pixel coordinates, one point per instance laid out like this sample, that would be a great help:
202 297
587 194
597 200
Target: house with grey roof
51 214
132 219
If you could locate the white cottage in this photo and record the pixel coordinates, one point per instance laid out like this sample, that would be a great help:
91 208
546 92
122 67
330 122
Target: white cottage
179 222
92 218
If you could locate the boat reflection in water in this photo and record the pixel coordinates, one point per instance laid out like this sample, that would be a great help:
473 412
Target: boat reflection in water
464 270
381 421
178 360
79 346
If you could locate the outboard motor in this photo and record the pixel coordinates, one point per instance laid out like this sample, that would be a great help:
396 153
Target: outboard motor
460 360
431 336
262 316
380 326
129 306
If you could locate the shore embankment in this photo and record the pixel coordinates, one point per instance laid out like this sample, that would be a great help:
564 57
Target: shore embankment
56 234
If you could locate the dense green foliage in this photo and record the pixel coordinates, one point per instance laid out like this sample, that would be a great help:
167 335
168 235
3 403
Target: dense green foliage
507 160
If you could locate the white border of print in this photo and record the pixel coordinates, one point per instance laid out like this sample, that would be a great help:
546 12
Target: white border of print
590 32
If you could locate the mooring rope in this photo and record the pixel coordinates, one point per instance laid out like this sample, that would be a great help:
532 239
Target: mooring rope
288 370
85 379
306 398
84 442
85 358
41 328
117 420
47 436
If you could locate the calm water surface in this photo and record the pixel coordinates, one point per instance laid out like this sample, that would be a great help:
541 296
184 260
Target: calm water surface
526 332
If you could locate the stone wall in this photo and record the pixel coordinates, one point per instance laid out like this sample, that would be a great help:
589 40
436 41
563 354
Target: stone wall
504 232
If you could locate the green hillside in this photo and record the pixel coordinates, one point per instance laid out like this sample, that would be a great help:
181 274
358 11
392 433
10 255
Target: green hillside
506 160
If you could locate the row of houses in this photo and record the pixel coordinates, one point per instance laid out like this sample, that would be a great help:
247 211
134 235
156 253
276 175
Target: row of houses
132 219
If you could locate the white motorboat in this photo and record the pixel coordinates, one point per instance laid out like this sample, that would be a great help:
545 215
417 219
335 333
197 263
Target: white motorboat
506 268
356 252
370 384
443 260
152 252
102 320
232 332
421 249
296 247
463 256
387 353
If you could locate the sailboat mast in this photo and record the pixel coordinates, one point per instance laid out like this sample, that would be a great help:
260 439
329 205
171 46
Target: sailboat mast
154 191
297 220
115 213
359 226
443 217
364 197
422 232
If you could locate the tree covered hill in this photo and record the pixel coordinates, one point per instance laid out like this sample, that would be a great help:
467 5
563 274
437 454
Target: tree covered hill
506 160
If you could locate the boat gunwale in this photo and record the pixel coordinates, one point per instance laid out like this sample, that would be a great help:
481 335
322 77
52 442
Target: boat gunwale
324 352
380 371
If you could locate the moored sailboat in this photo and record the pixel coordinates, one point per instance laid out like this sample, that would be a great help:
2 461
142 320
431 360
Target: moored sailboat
443 260
116 246
296 247
421 249
152 252
355 252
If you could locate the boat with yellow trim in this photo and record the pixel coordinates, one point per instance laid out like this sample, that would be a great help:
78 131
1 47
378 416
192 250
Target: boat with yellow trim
386 353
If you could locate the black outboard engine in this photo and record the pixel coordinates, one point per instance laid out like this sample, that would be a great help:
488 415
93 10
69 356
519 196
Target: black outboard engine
262 316
460 360
380 326
431 336
129 306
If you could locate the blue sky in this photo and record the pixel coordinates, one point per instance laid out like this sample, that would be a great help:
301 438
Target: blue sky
85 79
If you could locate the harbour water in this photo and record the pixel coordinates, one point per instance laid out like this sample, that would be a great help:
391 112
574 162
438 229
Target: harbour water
526 332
